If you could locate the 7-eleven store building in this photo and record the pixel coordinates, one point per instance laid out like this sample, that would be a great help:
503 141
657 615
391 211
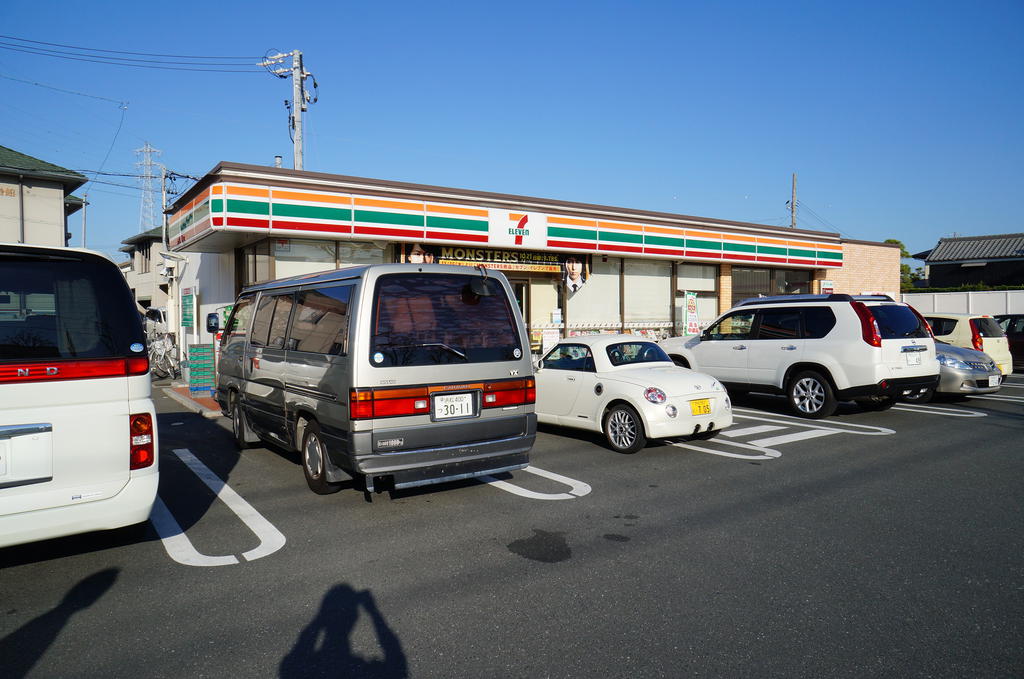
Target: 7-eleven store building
258 223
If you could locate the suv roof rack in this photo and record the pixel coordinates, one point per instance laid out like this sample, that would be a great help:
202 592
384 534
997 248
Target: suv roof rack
808 299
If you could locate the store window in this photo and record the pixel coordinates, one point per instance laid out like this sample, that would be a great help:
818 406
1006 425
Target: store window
760 282
257 263
293 257
703 280
649 298
595 306
354 253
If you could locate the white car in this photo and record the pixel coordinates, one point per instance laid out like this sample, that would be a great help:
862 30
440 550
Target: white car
817 350
629 389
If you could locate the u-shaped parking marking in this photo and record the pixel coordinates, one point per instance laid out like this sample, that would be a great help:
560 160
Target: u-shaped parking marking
181 549
576 488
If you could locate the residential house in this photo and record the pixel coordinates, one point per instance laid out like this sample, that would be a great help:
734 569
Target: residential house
990 260
36 200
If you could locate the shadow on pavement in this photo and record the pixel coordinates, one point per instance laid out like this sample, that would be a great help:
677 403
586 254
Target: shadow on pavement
21 650
324 646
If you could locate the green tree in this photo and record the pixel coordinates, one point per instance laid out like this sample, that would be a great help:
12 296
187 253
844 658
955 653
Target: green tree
907 275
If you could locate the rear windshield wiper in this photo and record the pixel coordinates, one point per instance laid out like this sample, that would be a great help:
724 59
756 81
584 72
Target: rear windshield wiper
426 344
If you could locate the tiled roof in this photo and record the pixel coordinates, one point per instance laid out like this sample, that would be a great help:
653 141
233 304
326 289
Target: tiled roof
152 234
18 163
1002 246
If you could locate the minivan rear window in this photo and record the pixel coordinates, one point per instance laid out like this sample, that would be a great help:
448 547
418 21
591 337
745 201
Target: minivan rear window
896 321
68 307
431 319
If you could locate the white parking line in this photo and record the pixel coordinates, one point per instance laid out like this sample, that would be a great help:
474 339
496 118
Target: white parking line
576 488
796 436
180 548
709 447
937 410
1001 397
791 421
750 431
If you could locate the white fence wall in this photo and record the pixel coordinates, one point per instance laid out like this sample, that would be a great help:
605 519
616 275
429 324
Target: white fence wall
996 302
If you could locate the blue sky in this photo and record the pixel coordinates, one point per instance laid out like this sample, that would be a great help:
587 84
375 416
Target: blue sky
901 119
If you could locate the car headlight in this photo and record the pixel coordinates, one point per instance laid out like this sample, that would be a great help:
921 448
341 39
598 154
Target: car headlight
951 362
655 395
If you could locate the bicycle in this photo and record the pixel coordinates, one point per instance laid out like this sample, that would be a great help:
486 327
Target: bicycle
163 361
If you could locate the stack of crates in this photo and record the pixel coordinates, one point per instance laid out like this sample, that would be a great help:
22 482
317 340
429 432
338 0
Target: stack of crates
201 370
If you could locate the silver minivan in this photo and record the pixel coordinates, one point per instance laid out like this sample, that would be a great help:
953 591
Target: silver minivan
396 375
78 440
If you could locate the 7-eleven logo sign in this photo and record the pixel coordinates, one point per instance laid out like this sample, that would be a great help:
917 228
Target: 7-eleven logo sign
519 229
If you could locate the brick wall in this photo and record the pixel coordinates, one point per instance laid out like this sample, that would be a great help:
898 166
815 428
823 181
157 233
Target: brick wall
867 267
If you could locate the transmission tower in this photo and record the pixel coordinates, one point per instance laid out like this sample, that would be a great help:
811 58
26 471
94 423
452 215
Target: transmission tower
148 216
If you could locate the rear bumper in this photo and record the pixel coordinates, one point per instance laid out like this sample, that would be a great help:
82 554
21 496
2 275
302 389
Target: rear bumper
890 387
132 505
436 455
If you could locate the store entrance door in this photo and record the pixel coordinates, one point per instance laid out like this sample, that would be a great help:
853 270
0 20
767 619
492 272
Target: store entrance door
521 289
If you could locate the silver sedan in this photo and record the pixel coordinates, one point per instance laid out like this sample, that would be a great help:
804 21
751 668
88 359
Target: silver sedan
961 371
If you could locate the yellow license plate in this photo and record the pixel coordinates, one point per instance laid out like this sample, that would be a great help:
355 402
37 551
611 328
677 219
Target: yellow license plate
701 406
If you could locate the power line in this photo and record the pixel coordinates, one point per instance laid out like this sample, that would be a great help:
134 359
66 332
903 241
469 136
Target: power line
59 89
101 60
144 54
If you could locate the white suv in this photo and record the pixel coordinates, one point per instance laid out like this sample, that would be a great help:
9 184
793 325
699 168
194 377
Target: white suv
817 350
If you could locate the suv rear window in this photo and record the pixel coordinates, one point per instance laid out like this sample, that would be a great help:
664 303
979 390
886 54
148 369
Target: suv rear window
896 321
431 319
54 307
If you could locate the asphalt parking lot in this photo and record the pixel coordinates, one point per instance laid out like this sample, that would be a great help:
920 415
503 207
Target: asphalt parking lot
867 545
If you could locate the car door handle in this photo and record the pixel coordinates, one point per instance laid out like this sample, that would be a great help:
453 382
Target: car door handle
740 347
788 347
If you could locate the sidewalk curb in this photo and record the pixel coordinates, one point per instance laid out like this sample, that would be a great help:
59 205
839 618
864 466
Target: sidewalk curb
192 405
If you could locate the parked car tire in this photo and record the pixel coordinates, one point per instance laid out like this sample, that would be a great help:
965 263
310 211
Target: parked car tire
923 397
810 395
624 429
313 454
244 438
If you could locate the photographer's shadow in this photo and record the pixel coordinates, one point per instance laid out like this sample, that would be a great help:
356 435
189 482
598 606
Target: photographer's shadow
324 647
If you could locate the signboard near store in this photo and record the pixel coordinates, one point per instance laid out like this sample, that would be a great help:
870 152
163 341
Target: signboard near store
827 287
502 260
692 319
188 311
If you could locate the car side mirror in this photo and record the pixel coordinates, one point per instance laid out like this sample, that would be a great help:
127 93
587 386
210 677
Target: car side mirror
212 323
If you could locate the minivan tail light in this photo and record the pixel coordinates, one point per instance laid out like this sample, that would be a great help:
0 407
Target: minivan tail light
976 339
369 403
137 365
141 438
510 393
868 324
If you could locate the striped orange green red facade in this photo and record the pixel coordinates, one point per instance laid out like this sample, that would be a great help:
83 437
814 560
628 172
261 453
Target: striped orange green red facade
291 213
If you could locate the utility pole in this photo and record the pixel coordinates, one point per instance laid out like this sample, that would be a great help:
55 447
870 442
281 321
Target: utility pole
301 98
792 205
85 206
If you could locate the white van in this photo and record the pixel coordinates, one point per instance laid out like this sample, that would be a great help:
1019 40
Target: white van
395 375
78 445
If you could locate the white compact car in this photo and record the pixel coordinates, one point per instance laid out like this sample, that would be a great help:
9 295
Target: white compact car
817 350
78 440
980 332
629 389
